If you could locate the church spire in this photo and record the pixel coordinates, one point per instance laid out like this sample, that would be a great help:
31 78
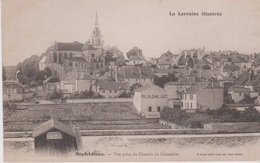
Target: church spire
96 21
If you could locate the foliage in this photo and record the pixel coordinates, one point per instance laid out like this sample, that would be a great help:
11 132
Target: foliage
135 86
3 73
190 63
160 81
55 95
28 69
47 71
135 51
247 99
221 115
125 95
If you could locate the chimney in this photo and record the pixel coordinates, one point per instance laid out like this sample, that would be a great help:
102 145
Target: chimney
116 74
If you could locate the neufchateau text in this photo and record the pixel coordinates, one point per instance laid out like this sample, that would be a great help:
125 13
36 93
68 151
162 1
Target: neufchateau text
195 14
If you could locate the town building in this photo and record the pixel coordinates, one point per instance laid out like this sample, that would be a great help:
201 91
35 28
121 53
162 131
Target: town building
149 100
113 89
139 75
205 95
12 90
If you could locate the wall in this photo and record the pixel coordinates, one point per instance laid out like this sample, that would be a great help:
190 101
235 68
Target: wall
83 85
210 98
74 101
233 127
137 101
171 91
189 103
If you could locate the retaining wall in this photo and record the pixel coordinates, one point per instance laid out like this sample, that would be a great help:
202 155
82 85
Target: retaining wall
99 100
233 127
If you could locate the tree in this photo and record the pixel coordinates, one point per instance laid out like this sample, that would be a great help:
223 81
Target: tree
28 69
190 63
247 100
160 81
47 71
4 73
135 51
135 86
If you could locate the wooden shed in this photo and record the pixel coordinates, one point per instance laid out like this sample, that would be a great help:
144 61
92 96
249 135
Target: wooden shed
53 138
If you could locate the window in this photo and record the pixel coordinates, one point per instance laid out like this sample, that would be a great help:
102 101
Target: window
150 109
158 109
70 55
110 91
191 105
191 97
187 105
244 66
185 97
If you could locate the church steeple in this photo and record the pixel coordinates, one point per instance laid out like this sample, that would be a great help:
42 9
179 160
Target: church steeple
96 21
96 40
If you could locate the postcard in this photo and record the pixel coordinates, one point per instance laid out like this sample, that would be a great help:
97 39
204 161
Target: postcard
131 81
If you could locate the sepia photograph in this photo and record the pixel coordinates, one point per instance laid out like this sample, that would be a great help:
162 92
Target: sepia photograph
130 80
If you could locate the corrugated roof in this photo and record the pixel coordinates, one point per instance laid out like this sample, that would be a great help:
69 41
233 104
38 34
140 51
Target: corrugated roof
52 124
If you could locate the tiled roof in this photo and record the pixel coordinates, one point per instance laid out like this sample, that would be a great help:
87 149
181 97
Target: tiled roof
51 124
191 90
135 58
165 61
114 86
64 46
240 89
135 72
148 86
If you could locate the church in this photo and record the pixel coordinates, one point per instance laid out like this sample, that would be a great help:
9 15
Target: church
78 58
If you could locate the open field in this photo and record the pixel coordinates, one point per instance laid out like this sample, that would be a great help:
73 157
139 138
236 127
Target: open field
89 116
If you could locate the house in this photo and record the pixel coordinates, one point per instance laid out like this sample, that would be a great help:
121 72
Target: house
240 62
205 95
136 60
238 93
85 83
174 90
140 75
50 84
12 90
149 100
113 89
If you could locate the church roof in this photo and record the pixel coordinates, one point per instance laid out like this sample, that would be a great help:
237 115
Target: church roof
64 46
86 46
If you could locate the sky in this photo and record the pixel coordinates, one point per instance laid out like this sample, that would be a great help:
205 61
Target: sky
31 26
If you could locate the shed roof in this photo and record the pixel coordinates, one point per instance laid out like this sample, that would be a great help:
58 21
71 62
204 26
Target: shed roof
51 124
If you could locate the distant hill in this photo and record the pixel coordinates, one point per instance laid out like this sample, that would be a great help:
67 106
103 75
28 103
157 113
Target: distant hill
10 72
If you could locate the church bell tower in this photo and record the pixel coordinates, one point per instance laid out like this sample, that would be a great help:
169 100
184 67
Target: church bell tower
96 40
